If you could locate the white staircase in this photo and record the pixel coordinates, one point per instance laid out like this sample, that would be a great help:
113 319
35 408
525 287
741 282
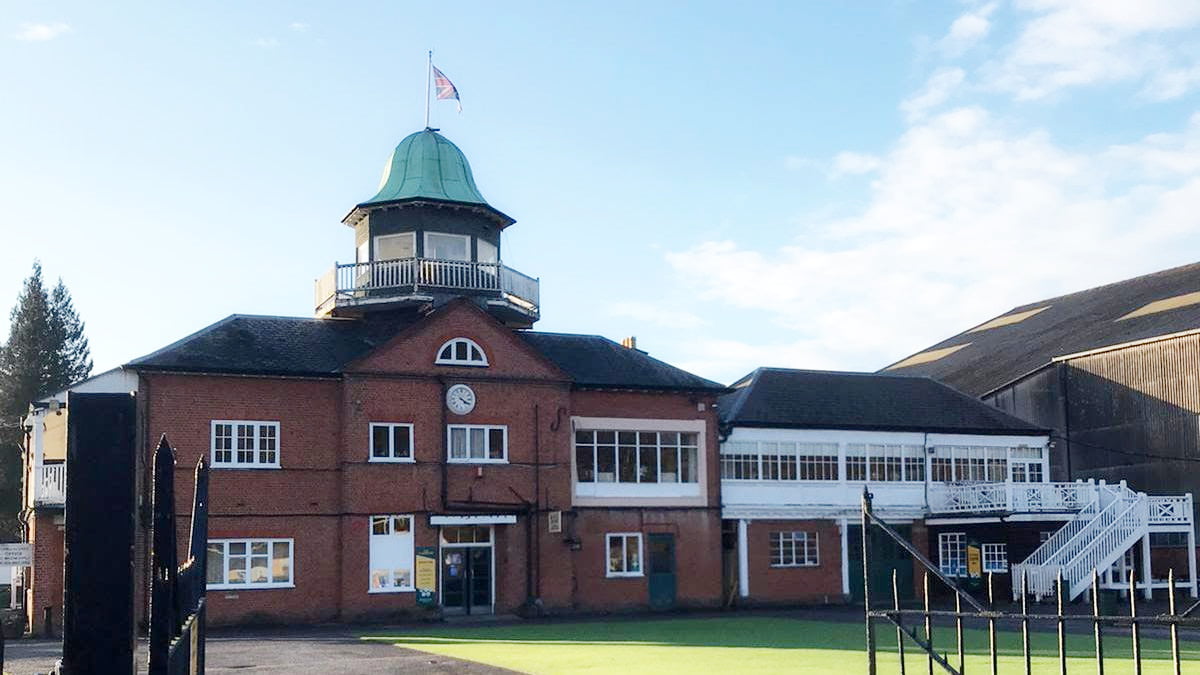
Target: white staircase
1095 539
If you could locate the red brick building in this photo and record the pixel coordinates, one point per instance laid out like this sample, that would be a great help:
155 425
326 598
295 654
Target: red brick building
417 420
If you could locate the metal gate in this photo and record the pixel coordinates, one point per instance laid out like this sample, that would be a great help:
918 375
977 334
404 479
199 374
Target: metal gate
952 659
177 602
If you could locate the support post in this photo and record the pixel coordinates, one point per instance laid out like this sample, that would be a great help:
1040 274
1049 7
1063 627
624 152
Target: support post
844 526
1147 592
743 559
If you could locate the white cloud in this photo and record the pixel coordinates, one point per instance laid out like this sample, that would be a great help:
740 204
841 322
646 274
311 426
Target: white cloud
299 26
967 218
1071 43
645 312
967 30
854 163
41 32
937 90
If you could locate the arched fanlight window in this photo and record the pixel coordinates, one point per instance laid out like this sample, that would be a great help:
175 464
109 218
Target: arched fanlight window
461 352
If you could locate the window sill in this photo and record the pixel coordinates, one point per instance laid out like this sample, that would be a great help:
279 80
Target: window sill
224 465
624 575
796 567
390 591
476 461
391 460
461 364
247 587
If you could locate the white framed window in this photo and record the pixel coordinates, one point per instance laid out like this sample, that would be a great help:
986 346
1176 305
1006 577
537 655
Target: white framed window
461 351
794 549
391 555
443 246
245 444
818 461
391 442
610 456
1026 465
952 553
624 554
477 442
395 246
485 251
250 563
1044 536
995 558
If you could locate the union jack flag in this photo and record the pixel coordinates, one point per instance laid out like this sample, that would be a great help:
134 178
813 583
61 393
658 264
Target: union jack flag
445 88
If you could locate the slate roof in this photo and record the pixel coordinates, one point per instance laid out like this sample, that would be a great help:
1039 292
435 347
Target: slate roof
1070 324
817 399
594 361
274 345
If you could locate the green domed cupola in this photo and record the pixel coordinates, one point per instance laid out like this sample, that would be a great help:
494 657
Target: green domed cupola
427 167
427 236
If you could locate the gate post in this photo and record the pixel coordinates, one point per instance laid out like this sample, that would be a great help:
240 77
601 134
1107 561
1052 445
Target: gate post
866 556
163 560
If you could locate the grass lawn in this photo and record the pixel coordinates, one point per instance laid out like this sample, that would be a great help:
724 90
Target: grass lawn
749 644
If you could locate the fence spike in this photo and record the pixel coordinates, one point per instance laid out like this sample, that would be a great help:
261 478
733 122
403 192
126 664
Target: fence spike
1096 621
899 619
928 624
1025 621
992 623
958 629
1136 632
1174 627
1062 626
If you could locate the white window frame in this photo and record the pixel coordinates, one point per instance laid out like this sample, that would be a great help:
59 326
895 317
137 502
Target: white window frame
291 581
410 235
681 449
990 554
233 463
371 537
487 429
391 458
426 254
452 361
625 537
479 243
945 540
798 548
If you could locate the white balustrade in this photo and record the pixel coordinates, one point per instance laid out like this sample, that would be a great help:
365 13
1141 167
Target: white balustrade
1174 510
50 486
354 281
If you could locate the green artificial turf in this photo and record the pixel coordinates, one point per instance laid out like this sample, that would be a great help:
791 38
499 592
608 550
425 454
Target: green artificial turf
754 643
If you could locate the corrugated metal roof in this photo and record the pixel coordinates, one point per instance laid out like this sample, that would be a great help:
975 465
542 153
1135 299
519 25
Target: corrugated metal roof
984 360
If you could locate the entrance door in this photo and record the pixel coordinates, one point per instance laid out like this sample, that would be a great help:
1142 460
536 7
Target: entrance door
662 570
886 555
466 570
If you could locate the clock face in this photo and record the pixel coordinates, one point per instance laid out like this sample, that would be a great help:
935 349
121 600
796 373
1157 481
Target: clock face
460 399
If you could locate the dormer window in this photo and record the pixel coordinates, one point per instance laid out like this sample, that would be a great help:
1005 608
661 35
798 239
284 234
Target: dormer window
461 352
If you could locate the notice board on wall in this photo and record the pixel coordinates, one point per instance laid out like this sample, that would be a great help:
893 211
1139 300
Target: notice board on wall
426 576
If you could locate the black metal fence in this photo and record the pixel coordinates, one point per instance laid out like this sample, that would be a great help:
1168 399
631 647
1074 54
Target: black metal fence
177 602
916 626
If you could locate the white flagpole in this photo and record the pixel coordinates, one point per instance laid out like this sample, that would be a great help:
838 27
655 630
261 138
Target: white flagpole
428 80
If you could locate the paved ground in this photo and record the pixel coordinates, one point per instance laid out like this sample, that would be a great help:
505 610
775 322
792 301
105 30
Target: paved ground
315 650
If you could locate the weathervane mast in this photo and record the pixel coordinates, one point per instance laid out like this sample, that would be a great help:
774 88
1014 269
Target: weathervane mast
428 76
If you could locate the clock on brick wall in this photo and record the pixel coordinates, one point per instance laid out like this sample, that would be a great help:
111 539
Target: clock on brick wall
460 399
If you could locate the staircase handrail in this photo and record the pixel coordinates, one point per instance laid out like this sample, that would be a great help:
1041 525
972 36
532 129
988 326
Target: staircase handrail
1041 555
1077 570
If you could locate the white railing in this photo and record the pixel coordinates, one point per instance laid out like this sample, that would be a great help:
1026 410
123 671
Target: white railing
50 484
1175 510
354 281
1106 545
1010 497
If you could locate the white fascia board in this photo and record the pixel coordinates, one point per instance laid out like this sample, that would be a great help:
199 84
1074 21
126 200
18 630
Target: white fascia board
986 439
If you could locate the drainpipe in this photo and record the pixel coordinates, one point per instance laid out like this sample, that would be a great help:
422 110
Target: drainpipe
534 524
444 459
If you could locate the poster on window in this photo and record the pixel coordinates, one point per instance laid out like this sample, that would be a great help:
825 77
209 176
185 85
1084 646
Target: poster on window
426 577
974 564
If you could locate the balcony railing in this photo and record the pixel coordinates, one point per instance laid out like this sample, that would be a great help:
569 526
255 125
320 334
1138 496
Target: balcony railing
381 280
1009 497
50 484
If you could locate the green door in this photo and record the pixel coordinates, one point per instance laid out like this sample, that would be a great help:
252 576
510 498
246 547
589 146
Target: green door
886 555
662 570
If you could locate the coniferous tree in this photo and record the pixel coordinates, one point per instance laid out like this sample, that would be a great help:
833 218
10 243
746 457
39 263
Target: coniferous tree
45 352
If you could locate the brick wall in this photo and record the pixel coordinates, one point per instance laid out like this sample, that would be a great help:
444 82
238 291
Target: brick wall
45 582
783 585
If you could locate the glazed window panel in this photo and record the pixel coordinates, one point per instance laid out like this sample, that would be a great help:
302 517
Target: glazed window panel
624 554
995 558
391 554
611 456
914 463
391 441
477 443
778 461
794 549
249 563
817 461
245 444
461 352
856 462
952 553
444 246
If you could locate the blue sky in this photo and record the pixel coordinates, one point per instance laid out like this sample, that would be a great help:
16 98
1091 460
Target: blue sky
825 185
